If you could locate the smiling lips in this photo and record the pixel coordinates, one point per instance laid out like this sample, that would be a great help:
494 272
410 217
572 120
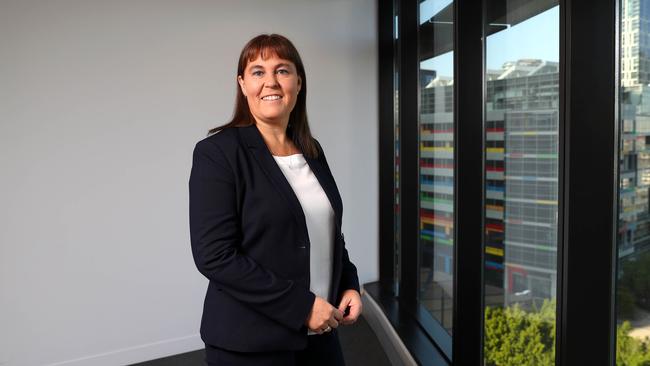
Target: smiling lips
271 97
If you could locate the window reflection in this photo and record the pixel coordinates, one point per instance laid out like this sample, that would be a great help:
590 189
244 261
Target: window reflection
633 285
436 161
521 182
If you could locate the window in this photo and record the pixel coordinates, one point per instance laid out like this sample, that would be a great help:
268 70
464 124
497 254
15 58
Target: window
633 274
506 194
522 120
436 171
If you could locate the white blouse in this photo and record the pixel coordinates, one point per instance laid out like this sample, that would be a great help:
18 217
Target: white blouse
319 216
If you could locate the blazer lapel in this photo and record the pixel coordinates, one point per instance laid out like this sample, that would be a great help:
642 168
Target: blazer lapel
255 143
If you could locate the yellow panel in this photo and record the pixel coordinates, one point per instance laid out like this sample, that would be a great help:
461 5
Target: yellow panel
494 251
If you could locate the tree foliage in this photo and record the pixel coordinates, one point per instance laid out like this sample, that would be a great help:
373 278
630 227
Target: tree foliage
631 351
517 337
634 283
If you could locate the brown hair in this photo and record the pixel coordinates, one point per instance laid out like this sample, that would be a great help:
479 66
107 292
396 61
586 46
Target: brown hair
267 45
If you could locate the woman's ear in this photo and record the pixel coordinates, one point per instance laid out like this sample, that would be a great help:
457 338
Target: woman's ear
240 80
299 83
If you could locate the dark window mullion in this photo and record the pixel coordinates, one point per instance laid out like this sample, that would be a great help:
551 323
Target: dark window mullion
587 322
386 53
468 157
409 151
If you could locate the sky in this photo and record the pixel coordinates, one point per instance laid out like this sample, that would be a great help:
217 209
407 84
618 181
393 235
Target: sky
537 37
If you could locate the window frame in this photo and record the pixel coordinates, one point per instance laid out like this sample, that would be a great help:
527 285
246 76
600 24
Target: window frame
589 168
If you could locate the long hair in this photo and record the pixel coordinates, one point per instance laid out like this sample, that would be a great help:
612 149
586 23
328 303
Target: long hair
265 46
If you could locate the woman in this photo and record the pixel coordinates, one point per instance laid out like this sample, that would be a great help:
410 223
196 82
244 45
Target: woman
265 223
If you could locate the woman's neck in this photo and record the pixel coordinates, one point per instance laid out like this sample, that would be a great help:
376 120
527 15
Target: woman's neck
275 137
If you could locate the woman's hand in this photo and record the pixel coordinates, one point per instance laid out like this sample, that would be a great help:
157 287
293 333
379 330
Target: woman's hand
352 299
323 316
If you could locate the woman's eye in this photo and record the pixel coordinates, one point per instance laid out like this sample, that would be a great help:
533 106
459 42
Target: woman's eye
257 73
283 71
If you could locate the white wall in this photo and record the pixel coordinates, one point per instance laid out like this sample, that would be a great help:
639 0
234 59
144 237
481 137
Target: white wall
101 103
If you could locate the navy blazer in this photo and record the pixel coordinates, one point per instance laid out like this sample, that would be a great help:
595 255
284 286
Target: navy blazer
249 238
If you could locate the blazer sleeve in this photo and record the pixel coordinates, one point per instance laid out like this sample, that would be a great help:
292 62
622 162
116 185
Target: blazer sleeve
216 236
349 276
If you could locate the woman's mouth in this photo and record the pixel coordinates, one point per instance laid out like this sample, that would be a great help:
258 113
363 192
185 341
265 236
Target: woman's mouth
271 97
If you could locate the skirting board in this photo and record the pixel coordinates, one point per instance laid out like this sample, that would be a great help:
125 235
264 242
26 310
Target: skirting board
141 353
395 349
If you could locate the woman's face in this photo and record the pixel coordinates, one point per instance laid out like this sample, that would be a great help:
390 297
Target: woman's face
271 88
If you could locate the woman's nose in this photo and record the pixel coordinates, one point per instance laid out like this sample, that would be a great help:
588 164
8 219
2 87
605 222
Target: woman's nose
271 80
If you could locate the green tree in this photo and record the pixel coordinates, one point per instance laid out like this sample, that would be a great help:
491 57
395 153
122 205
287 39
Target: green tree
635 280
516 337
631 351
625 302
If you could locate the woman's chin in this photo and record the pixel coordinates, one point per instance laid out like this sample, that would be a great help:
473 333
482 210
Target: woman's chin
274 118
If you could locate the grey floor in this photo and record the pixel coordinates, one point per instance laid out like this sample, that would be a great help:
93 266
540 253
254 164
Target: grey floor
359 343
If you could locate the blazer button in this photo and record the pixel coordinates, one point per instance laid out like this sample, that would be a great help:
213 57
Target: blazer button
302 246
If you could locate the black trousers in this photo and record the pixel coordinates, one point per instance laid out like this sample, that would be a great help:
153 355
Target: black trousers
322 350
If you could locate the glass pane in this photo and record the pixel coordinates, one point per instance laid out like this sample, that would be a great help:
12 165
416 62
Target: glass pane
521 181
633 279
436 138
